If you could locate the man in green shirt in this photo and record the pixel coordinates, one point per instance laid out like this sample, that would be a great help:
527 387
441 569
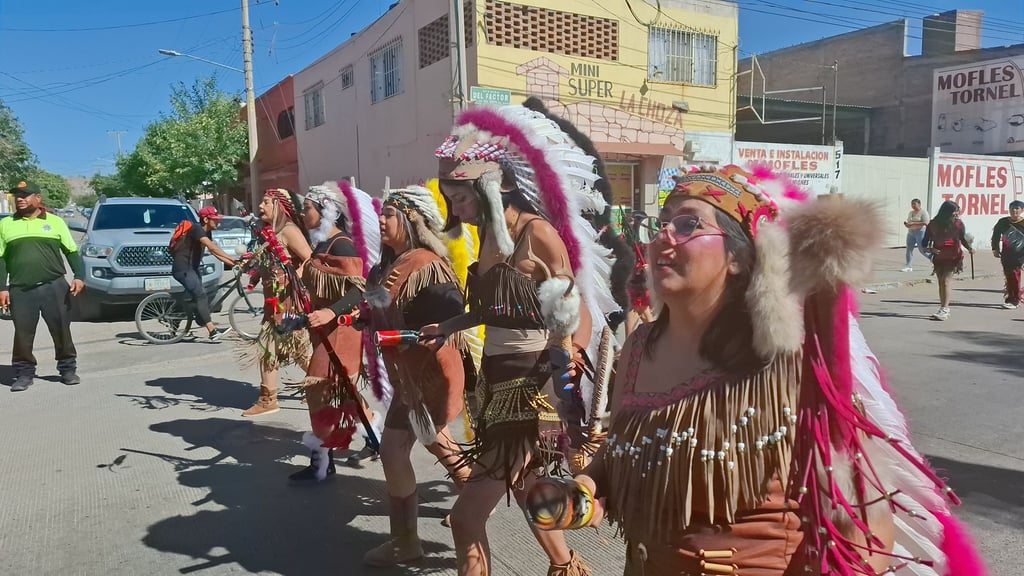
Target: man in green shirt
33 247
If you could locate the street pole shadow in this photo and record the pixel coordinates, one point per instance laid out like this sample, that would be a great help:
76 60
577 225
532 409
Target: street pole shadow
208 393
991 492
262 523
997 349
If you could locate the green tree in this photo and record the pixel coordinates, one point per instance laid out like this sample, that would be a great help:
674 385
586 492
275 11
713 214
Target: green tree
16 159
55 188
197 147
87 200
109 185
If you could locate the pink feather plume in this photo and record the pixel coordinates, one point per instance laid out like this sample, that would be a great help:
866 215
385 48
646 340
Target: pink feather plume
378 205
962 557
763 172
547 179
357 224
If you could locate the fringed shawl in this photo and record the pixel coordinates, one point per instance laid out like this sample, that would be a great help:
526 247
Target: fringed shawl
700 453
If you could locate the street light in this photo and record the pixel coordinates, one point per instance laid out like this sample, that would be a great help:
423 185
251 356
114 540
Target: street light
183 55
250 109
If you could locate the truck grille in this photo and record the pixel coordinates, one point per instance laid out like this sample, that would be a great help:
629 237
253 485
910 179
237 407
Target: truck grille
144 256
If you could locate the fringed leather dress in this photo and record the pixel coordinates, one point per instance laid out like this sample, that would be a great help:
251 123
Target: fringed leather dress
334 270
694 477
517 414
421 289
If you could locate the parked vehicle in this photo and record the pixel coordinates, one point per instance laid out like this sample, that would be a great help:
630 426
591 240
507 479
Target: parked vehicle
125 250
233 234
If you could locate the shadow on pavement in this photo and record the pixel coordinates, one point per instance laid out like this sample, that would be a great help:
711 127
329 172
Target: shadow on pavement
955 304
209 394
986 490
260 522
1000 350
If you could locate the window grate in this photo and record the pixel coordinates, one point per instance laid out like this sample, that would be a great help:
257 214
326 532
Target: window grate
313 98
386 71
347 77
682 56
543 30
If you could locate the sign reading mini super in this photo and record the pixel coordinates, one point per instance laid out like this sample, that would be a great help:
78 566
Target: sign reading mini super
983 187
816 168
979 108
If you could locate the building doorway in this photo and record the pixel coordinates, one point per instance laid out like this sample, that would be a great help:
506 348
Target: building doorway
622 179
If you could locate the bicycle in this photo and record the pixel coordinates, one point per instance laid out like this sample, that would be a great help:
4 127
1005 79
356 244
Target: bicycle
167 321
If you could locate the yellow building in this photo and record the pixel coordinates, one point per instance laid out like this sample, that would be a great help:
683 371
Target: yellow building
653 87
650 87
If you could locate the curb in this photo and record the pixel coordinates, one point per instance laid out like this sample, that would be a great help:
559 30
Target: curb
880 286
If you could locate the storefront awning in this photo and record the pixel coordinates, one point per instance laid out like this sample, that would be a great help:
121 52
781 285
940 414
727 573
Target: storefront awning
637 149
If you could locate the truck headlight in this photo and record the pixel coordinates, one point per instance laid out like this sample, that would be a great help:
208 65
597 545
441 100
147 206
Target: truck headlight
97 251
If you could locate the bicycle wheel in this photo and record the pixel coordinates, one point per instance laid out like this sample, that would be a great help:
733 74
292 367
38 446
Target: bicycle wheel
161 320
246 314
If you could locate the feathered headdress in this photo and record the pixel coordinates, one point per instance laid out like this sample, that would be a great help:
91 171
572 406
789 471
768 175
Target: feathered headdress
599 205
357 206
774 309
548 168
423 214
327 198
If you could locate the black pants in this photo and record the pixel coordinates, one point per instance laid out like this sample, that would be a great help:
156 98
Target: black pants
52 301
195 300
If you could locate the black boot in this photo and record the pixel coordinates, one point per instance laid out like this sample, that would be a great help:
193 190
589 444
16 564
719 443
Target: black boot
321 462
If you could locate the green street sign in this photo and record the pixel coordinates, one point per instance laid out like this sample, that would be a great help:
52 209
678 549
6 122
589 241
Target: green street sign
495 96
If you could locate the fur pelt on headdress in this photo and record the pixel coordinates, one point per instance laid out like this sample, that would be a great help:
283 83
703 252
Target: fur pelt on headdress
774 308
327 198
490 185
831 239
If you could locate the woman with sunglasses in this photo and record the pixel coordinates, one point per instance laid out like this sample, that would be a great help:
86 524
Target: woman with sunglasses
736 446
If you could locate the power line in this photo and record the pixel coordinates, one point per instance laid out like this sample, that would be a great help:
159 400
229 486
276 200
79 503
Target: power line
121 26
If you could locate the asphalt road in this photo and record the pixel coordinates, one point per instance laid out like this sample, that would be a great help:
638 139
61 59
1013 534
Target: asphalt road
148 468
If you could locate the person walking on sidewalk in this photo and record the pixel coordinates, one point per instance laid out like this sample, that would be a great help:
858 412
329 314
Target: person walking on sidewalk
1008 246
945 237
916 222
33 245
186 249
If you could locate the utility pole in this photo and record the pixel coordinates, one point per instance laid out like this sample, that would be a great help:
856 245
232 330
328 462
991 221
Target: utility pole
250 108
117 136
457 27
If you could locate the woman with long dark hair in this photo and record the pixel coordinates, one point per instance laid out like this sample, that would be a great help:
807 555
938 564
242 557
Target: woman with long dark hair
334 276
751 433
414 285
945 238
515 173
280 213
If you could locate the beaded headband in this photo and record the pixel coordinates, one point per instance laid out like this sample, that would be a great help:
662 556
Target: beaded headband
733 191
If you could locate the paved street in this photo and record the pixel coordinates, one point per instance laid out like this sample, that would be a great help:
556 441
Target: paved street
148 468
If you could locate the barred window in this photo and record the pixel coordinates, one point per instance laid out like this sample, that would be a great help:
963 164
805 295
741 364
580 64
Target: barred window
682 56
346 77
386 71
313 98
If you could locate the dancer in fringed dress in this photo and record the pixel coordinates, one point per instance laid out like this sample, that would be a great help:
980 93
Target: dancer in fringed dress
752 433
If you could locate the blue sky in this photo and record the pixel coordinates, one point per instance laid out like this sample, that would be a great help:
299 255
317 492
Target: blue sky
75 71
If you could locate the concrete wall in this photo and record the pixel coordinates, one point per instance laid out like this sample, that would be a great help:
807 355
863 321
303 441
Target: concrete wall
870 62
395 137
892 182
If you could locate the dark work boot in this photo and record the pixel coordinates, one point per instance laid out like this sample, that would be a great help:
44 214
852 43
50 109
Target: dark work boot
22 382
70 377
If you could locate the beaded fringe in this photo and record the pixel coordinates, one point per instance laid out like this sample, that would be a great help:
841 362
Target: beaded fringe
713 452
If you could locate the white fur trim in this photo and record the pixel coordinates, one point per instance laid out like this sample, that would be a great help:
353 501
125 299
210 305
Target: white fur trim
309 440
561 311
774 309
491 184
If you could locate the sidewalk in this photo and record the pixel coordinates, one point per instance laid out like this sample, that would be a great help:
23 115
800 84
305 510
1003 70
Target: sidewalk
889 262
